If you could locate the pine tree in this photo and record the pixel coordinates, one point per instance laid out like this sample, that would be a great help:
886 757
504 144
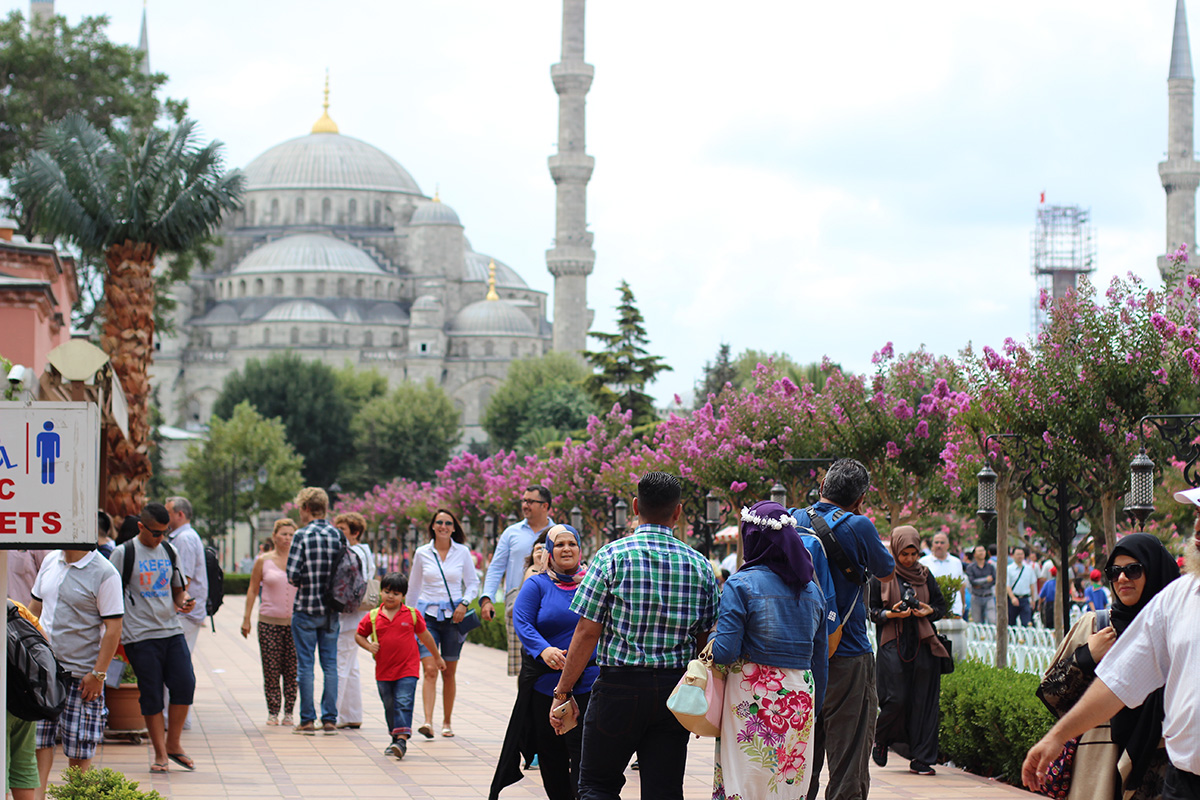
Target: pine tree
624 367
716 375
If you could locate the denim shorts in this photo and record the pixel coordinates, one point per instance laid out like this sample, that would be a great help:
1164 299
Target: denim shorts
445 633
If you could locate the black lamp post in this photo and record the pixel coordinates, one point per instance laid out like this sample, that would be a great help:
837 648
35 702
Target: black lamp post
1180 430
620 516
986 493
576 514
489 529
779 494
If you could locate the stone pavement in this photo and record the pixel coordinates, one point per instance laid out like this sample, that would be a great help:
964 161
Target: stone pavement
238 756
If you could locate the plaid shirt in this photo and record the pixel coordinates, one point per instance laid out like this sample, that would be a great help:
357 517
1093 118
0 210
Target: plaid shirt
314 548
653 594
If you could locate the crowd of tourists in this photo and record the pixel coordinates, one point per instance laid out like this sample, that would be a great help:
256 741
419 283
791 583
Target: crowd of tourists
598 646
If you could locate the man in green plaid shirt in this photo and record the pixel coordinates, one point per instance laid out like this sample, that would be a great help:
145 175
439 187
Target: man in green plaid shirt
649 602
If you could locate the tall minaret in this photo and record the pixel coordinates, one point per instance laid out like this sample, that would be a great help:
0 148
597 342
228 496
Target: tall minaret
41 9
1180 173
572 257
144 44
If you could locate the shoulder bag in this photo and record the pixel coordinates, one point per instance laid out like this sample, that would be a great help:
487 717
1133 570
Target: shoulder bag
374 595
469 622
699 698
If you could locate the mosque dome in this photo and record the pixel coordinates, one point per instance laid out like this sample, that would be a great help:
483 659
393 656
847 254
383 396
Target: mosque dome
308 252
477 270
221 314
387 313
435 212
491 317
328 160
300 311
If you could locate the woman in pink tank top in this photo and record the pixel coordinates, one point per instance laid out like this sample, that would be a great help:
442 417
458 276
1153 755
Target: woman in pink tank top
275 623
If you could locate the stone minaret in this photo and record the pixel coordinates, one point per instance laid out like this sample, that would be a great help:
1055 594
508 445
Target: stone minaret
1180 173
572 257
41 9
144 44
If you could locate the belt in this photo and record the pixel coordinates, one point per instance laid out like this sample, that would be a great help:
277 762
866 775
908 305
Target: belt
619 670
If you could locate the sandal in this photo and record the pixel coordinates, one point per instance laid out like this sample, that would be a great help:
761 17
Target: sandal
183 761
157 767
447 733
426 730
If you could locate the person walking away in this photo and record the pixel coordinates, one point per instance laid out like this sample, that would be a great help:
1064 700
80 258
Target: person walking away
276 648
21 764
649 600
190 547
152 634
1097 598
845 728
77 595
943 565
443 583
508 564
390 633
1022 578
909 675
349 696
310 563
1046 599
772 642
1126 752
981 575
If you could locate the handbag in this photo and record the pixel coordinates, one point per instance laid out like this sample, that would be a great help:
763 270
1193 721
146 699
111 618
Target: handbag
946 662
471 620
372 597
699 698
1058 776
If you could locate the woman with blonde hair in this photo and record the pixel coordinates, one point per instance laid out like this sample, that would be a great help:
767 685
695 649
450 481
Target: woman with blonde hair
275 645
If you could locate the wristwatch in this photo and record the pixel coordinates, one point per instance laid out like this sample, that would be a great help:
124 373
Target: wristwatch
561 695
464 603
100 676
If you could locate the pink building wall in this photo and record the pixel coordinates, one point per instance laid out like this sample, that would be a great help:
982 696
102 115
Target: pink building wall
37 290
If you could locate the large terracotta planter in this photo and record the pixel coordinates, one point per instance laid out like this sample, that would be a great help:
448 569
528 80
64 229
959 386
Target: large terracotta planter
124 713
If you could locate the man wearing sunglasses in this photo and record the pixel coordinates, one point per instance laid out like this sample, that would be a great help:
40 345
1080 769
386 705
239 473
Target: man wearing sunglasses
508 564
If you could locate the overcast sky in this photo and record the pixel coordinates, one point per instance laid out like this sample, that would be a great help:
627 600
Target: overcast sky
816 178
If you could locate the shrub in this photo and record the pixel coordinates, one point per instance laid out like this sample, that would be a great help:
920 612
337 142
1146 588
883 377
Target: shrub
491 632
990 719
949 587
98 784
236 583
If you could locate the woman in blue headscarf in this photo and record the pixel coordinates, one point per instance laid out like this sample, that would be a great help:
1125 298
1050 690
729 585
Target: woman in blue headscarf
771 634
545 624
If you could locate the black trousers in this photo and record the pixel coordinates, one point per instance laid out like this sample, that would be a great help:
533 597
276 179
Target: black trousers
558 756
908 701
628 713
1180 785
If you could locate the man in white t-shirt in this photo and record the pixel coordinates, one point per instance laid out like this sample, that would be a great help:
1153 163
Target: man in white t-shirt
1022 585
941 565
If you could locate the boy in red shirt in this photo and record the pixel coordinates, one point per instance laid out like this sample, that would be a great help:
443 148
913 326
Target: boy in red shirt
390 634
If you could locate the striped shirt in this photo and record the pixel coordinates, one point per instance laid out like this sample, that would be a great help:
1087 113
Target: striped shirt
654 596
309 563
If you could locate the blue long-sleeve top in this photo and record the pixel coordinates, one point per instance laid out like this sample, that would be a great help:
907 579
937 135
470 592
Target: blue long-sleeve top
765 621
542 617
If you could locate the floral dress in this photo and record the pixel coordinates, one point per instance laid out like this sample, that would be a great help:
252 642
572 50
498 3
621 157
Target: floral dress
766 730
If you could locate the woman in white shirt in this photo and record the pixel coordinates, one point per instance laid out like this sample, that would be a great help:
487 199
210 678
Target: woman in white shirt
441 585
349 690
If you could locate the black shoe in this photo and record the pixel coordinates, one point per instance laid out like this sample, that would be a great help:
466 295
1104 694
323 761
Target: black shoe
879 755
920 768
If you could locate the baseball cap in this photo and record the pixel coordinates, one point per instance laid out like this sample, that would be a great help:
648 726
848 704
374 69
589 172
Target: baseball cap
1188 496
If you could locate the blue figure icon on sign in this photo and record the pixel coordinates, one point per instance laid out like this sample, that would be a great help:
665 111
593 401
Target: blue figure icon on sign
49 449
4 460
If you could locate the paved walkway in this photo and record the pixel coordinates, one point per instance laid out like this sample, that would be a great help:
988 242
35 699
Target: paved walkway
238 756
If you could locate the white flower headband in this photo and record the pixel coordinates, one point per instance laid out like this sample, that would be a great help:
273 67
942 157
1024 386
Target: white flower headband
767 522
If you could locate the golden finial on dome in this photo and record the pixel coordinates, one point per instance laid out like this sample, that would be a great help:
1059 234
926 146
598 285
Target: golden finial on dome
491 295
325 124
437 193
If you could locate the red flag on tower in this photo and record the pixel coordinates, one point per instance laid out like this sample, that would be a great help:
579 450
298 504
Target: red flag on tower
1043 199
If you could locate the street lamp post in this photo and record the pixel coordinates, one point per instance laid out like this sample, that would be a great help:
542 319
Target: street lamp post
1180 430
812 484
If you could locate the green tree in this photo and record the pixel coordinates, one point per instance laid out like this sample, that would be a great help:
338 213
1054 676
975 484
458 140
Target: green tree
134 196
305 397
508 414
359 386
244 467
800 374
625 367
717 373
406 434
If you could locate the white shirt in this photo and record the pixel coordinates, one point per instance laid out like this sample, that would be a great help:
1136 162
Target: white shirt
730 562
948 567
425 585
1161 648
1022 582
1046 567
190 549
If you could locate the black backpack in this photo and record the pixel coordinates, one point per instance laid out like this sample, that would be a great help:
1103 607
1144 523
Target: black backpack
127 560
216 582
345 587
37 683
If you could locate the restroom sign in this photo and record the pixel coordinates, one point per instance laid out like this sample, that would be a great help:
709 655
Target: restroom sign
49 459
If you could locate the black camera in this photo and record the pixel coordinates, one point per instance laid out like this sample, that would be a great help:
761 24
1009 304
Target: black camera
908 599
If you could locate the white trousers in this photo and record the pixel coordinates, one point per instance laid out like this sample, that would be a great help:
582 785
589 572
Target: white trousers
191 634
349 690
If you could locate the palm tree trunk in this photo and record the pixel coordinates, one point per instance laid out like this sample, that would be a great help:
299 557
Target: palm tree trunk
128 338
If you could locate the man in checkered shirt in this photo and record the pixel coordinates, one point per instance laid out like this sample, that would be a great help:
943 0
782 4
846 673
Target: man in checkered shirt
314 625
650 601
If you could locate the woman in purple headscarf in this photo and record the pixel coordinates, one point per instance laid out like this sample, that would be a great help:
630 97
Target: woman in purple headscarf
771 635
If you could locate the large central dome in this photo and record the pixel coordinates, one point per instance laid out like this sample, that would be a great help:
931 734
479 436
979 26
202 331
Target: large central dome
328 161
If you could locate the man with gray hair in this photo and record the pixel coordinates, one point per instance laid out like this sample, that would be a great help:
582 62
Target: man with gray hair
190 547
845 728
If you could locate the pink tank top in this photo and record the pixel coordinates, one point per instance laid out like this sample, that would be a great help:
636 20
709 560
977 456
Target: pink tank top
277 593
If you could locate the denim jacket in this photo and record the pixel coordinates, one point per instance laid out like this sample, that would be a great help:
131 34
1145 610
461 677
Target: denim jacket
763 620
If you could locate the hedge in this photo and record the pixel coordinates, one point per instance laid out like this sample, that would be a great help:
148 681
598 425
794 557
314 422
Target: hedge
990 719
490 633
236 583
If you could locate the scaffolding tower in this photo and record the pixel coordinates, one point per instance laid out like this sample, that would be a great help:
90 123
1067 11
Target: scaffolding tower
1062 248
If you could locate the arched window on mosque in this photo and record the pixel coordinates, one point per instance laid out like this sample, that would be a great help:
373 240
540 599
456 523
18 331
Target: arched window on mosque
368 339
233 338
299 210
299 287
378 212
359 287
278 290
395 338
514 349
275 211
352 212
489 348
320 287
220 290
266 335
241 288
341 284
324 336
378 289
326 211
251 214
258 287
346 337
295 335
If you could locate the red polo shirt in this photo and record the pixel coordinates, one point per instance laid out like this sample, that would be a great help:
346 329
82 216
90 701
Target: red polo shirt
398 657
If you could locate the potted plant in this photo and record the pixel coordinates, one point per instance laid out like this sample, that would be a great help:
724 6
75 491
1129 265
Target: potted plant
953 626
124 713
98 784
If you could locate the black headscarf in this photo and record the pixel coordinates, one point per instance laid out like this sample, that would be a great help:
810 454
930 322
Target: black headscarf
779 548
1138 731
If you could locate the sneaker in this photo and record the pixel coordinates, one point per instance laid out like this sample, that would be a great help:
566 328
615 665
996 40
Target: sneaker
329 729
305 729
397 748
879 755
921 768
272 720
287 720
352 725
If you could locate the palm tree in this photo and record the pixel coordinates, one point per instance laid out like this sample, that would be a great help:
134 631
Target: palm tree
132 195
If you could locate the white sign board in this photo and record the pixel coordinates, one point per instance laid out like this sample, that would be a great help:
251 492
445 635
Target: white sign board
49 457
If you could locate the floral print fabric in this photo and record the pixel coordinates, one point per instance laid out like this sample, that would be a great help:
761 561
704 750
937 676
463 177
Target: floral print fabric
766 728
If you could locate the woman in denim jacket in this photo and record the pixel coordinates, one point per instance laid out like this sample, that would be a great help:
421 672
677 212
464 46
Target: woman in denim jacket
771 635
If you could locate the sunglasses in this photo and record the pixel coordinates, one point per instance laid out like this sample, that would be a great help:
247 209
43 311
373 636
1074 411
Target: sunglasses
449 522
1132 571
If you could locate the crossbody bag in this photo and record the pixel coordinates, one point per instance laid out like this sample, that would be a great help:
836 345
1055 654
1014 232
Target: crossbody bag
471 621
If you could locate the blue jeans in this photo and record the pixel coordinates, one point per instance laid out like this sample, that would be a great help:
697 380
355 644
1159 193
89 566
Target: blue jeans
320 634
1022 609
397 697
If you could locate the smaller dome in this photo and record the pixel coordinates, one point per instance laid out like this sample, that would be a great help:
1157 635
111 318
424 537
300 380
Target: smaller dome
491 317
300 311
221 314
434 212
307 252
387 312
426 302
